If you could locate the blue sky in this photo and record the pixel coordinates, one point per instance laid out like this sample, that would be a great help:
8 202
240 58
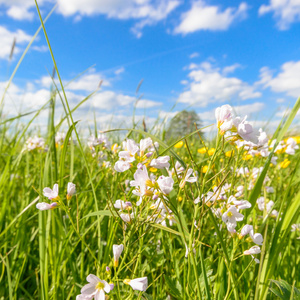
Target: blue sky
198 54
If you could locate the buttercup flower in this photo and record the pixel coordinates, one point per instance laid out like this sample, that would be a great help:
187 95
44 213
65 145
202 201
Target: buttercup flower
138 284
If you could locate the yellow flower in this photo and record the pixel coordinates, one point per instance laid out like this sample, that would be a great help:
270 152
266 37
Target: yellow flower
247 156
284 164
153 170
204 169
211 151
229 153
179 198
178 145
201 150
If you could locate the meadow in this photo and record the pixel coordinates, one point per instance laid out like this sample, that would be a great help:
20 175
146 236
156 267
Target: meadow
129 214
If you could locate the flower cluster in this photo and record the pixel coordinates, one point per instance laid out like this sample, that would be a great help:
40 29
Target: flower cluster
52 194
97 288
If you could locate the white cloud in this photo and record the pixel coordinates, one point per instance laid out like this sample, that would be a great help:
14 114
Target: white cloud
231 69
21 9
147 104
42 48
205 17
209 85
19 13
7 38
195 54
285 12
149 12
287 81
88 82
280 100
120 71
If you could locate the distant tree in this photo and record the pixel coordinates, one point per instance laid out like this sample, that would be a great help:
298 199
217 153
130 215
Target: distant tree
182 124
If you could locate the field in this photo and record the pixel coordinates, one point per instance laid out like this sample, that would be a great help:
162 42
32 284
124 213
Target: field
193 219
133 214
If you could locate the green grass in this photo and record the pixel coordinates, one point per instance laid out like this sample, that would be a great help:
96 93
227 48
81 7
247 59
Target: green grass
48 254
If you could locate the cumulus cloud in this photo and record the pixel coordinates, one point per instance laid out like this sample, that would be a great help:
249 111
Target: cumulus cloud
205 17
148 12
287 81
7 38
147 104
210 85
285 12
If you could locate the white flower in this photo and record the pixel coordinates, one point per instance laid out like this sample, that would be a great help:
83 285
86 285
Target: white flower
71 190
127 217
246 229
46 206
120 204
141 182
257 238
187 178
223 114
231 216
291 146
160 162
117 251
165 184
138 284
34 143
122 166
246 131
252 250
60 138
96 288
51 194
144 144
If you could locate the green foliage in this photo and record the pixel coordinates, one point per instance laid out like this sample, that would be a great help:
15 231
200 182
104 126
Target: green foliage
183 123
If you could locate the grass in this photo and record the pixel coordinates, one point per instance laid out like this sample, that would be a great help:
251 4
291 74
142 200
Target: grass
190 254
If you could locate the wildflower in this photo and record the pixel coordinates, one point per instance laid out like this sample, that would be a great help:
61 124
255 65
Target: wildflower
223 114
46 206
240 204
60 138
188 178
71 190
141 182
51 194
34 143
122 166
204 169
165 184
178 145
95 289
127 217
145 144
231 216
120 204
245 230
160 162
252 250
229 153
138 284
201 150
291 146
117 251
284 164
211 151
